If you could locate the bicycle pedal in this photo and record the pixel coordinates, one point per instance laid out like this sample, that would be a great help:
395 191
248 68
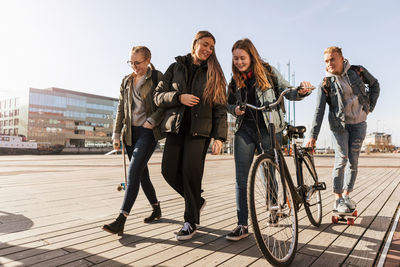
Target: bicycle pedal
320 186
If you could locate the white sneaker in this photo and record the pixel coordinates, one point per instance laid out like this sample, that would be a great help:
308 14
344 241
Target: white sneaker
340 206
350 203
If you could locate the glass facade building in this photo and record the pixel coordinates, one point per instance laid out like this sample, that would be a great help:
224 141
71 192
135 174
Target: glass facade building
60 116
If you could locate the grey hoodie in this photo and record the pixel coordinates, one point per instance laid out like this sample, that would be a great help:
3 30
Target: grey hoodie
353 110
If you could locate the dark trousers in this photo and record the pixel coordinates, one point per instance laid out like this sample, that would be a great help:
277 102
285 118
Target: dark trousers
143 145
183 166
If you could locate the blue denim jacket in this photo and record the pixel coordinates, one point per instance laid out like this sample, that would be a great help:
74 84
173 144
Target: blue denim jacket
265 97
363 84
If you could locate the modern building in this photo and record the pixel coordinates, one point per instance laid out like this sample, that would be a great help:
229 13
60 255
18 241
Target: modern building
378 142
60 116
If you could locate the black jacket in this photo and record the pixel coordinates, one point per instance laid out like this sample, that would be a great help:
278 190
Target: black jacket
206 120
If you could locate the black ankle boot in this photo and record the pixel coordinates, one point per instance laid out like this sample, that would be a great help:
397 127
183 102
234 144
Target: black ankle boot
117 226
155 215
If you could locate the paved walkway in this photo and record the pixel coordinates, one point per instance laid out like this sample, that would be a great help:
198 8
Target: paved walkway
52 209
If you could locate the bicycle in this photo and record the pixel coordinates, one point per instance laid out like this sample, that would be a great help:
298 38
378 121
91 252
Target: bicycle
274 200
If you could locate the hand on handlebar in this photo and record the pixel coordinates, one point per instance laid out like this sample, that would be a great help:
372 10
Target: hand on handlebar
305 88
311 142
239 111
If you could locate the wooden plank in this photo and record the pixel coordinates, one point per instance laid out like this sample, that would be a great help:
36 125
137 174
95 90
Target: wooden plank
330 232
56 215
310 232
163 243
343 244
85 239
366 250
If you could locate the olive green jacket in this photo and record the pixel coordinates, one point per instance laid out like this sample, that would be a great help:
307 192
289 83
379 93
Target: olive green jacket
123 121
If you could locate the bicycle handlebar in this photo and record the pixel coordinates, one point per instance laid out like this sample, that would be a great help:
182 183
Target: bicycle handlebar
280 98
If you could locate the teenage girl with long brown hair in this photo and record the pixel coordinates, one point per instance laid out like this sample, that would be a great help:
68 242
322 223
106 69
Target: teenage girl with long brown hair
193 94
255 82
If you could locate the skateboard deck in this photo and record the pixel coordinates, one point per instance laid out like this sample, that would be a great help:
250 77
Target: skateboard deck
348 217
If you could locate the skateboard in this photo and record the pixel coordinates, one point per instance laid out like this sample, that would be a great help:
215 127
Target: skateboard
344 216
122 186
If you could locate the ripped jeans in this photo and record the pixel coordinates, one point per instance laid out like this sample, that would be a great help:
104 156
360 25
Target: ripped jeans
347 151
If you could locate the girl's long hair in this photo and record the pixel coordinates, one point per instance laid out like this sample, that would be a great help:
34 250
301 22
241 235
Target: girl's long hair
261 70
215 90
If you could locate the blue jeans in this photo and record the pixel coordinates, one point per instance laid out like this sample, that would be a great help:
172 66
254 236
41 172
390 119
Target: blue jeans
347 151
143 145
246 143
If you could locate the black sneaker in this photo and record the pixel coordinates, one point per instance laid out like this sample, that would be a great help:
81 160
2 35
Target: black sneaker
187 232
241 231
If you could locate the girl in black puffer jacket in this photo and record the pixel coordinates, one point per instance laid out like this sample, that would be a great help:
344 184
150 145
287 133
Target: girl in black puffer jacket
193 94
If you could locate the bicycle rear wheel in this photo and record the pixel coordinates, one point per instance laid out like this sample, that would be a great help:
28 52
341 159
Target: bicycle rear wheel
312 196
273 213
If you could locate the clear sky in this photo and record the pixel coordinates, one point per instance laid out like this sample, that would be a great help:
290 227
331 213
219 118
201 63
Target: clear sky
83 45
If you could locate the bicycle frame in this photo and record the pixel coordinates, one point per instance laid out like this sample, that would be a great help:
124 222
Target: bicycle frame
275 201
278 154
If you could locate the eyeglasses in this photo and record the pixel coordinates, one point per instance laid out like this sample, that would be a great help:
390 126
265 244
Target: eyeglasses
134 63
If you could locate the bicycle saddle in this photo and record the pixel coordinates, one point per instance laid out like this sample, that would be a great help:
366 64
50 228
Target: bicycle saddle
298 130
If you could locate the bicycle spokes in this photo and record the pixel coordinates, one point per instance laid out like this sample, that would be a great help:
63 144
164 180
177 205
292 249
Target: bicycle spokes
272 211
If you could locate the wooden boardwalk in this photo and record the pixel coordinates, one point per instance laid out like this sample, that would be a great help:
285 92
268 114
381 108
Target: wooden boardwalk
52 209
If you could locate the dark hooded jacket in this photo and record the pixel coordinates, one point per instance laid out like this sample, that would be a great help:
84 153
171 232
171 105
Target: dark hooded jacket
207 120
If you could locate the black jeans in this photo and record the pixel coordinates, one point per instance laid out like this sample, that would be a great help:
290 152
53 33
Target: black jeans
143 145
183 166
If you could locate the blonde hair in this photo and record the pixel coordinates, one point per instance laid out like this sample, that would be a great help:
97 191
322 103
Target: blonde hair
145 51
215 90
333 49
259 67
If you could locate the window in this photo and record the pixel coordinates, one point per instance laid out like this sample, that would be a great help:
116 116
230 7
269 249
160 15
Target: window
16 122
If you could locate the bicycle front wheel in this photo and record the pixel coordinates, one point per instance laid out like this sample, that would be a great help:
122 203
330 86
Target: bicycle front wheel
312 196
273 213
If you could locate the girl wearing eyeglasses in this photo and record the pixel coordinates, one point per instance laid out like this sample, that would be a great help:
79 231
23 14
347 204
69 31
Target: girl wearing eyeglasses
193 94
137 119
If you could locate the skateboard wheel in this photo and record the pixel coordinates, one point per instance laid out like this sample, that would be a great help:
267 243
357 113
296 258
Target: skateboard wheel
350 221
355 213
121 186
335 219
